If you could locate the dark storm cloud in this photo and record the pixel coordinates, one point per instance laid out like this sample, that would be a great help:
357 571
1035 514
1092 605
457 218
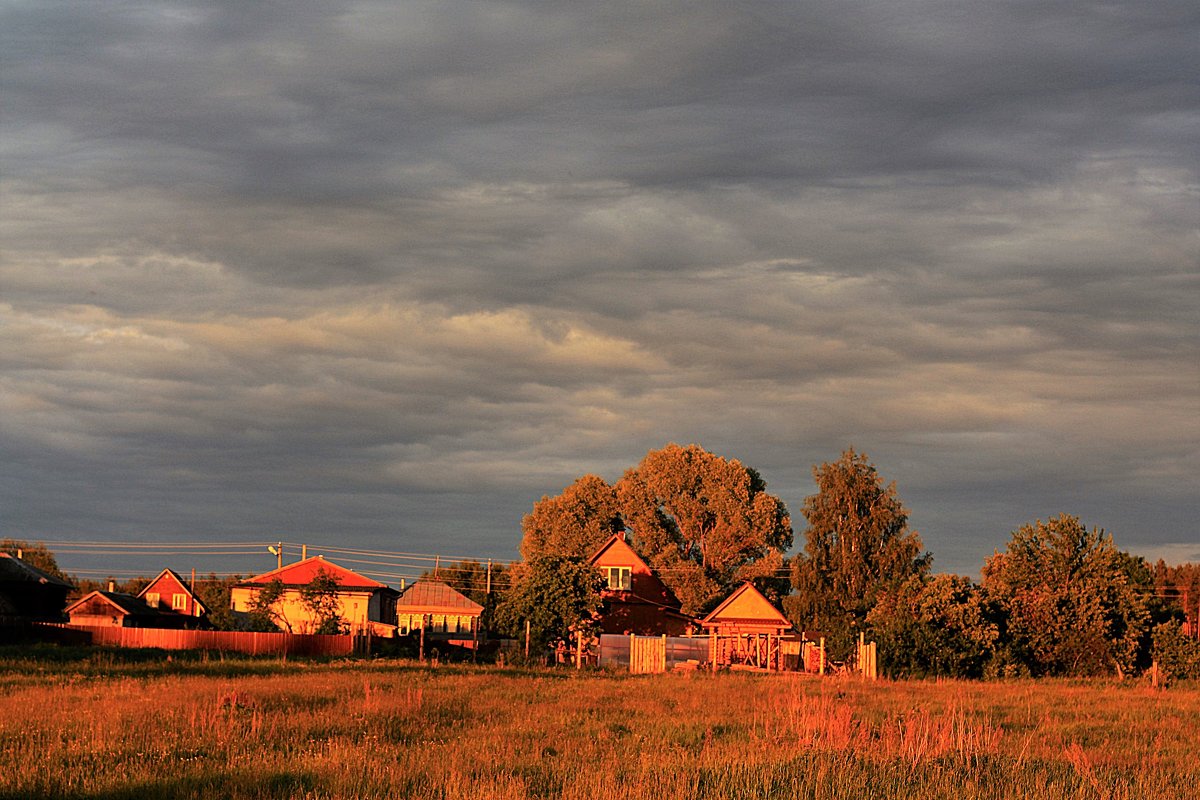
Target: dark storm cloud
318 265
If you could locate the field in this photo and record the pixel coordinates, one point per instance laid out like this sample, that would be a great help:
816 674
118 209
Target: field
111 725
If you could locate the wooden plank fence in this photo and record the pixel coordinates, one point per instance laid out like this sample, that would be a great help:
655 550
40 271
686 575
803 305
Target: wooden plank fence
299 644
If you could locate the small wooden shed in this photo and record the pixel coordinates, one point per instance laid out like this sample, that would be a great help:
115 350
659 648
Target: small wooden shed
746 630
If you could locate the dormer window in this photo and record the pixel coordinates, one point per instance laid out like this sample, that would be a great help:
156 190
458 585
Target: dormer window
620 579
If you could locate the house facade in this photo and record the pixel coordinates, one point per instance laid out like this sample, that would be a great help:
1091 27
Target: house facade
169 592
634 599
441 610
363 604
101 609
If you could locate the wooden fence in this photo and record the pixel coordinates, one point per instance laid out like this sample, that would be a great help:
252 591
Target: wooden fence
299 644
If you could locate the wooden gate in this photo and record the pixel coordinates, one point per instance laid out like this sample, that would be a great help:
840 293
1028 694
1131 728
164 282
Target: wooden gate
647 654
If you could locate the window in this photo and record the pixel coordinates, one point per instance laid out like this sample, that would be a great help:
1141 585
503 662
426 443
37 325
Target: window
620 578
179 602
152 599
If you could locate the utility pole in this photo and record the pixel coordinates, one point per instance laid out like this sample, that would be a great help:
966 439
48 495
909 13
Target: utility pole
437 562
489 578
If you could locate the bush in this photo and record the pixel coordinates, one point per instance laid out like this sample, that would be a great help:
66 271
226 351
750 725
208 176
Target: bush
1178 656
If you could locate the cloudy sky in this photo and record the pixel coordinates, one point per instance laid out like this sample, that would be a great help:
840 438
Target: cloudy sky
384 274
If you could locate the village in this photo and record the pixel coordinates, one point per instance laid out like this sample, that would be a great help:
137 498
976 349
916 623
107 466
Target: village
639 626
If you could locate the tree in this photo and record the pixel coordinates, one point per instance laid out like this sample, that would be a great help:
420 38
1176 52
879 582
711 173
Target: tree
1071 605
941 626
575 523
554 594
321 599
36 555
857 545
704 522
263 613
214 592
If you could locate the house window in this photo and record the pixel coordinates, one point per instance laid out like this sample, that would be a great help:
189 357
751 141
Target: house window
620 579
179 602
152 599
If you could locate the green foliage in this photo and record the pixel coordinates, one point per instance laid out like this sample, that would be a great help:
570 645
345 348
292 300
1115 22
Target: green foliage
263 614
857 546
1072 606
574 523
555 594
37 555
1177 654
706 523
942 626
320 597
214 592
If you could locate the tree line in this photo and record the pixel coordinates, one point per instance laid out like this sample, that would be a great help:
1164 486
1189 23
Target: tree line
1060 599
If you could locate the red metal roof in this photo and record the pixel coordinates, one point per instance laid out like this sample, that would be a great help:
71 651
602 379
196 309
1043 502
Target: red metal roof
302 572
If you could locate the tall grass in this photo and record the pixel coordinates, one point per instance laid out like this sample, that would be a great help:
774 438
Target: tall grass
394 729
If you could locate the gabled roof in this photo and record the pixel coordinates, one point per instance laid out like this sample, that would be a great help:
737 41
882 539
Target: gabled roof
746 606
302 572
127 604
187 587
613 541
662 594
15 569
438 597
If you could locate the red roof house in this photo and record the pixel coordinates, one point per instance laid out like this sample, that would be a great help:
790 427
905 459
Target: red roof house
635 599
363 604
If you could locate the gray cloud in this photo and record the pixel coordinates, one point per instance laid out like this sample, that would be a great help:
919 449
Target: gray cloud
394 273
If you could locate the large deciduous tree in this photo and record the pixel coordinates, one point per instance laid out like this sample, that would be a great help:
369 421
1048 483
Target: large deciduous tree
554 594
704 522
857 545
1072 604
701 521
574 523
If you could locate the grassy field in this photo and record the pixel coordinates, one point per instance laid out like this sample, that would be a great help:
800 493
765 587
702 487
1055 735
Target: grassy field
108 725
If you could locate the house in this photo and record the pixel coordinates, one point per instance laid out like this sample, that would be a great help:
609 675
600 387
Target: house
28 593
119 610
444 612
635 600
746 630
365 605
169 592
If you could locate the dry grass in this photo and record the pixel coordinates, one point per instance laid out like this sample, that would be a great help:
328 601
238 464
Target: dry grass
393 729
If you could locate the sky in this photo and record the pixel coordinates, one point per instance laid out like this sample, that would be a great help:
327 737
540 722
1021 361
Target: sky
382 275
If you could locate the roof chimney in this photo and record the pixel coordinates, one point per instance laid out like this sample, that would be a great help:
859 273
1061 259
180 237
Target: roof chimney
112 587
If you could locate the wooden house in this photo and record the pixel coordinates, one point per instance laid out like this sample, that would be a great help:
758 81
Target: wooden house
364 605
444 612
635 600
746 630
119 610
169 592
28 593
